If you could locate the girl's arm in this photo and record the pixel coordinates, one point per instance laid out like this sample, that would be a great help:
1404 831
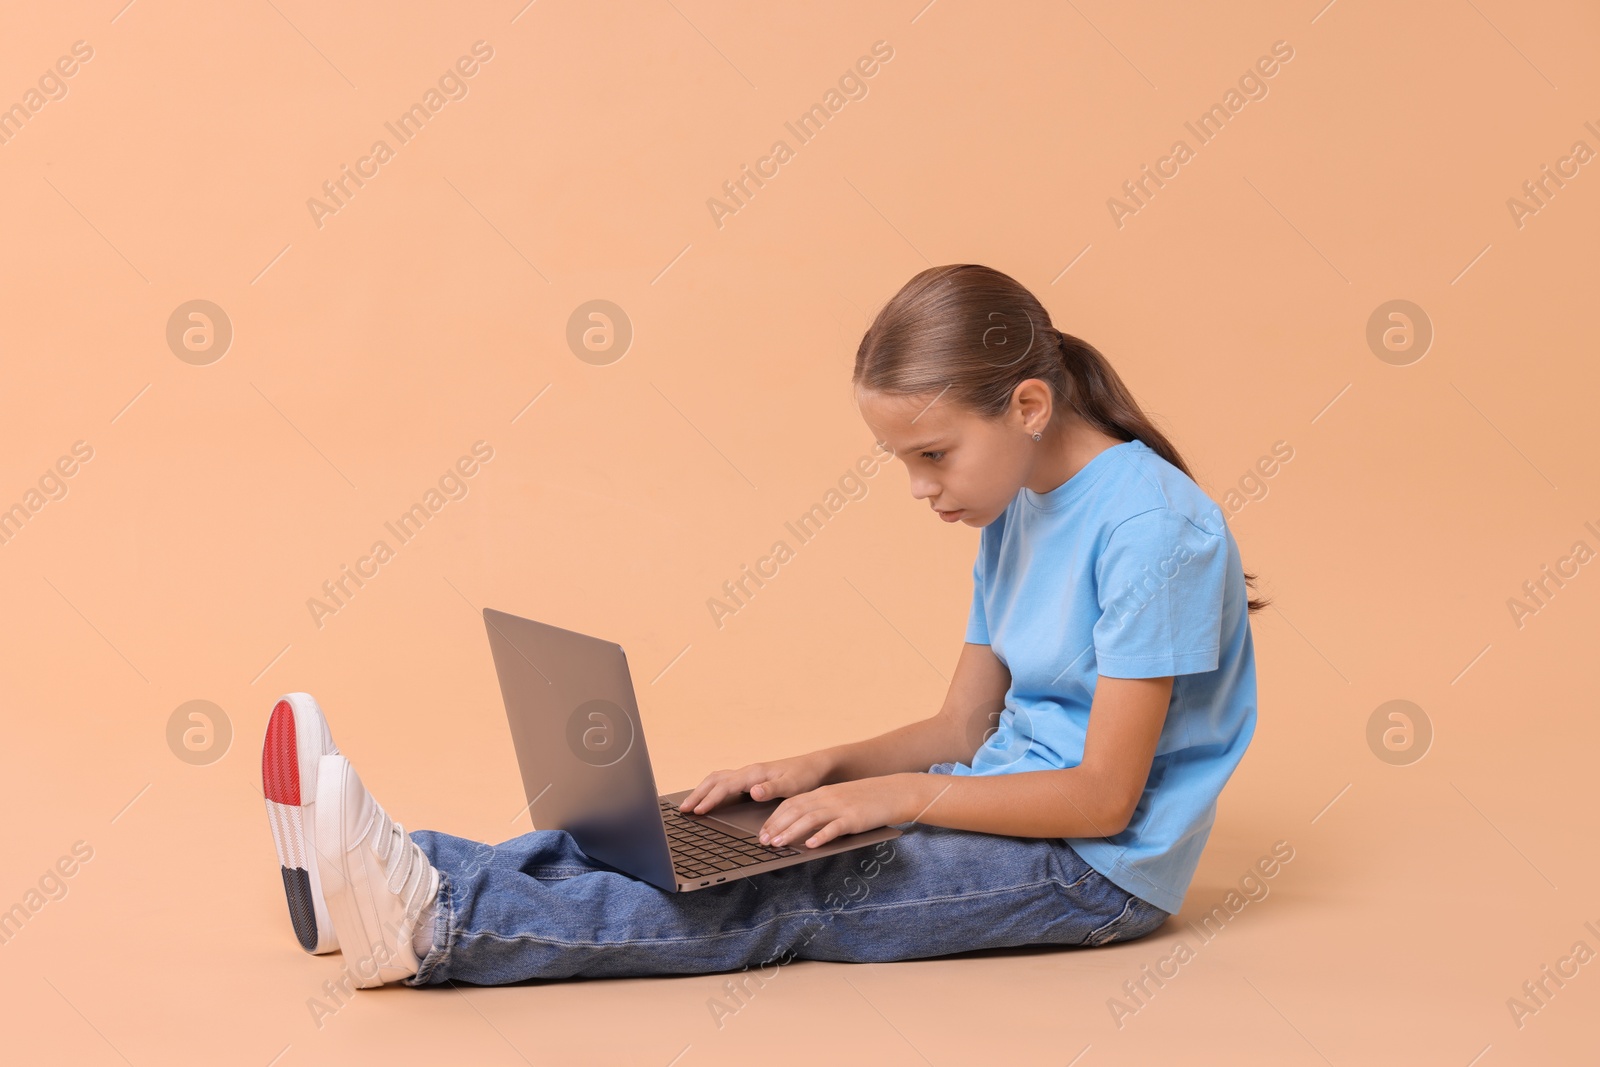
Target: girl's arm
1097 798
977 694
976 697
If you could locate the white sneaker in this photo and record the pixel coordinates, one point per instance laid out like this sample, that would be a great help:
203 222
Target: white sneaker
376 880
297 738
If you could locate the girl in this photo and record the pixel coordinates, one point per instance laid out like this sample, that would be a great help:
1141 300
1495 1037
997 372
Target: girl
1105 693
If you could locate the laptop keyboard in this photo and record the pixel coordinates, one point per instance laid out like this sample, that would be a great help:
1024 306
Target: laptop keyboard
700 849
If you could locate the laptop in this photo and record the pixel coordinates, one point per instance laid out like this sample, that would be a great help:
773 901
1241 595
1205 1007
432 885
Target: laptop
580 746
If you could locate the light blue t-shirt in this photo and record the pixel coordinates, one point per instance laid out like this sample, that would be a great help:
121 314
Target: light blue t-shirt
1126 570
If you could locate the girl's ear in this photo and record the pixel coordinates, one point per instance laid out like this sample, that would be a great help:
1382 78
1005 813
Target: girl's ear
1032 399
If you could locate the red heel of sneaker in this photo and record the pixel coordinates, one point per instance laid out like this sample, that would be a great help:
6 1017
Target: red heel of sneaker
297 738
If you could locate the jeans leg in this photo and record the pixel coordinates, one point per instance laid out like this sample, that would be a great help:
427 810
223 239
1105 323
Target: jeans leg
537 907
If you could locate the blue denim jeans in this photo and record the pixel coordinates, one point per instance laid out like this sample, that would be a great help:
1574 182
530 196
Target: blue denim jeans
537 907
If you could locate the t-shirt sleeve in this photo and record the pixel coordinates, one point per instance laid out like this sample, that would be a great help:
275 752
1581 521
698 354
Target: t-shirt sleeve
1160 581
977 621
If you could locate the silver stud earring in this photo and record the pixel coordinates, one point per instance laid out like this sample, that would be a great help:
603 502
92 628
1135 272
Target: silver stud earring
1036 436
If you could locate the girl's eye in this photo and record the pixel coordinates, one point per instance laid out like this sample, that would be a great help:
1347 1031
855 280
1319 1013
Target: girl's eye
934 456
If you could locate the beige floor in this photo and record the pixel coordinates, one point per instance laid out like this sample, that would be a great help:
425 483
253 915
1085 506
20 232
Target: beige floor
373 345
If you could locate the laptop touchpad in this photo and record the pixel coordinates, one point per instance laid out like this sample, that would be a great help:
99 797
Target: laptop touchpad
747 816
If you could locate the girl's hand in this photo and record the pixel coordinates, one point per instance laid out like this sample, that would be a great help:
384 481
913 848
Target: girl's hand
763 781
832 811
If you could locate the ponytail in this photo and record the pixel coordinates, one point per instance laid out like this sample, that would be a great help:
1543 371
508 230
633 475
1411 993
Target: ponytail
1101 399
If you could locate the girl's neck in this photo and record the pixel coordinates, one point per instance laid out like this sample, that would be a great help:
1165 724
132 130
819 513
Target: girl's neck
1064 451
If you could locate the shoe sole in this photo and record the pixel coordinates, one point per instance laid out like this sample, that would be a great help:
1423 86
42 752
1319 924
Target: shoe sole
289 758
345 880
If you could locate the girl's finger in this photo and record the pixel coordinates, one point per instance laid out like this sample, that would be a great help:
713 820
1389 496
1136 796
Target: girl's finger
826 834
701 792
709 800
799 827
782 818
720 791
696 795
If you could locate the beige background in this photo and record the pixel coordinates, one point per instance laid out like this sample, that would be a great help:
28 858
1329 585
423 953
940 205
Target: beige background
431 311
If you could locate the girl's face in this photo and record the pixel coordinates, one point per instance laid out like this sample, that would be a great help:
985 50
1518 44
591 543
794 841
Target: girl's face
967 467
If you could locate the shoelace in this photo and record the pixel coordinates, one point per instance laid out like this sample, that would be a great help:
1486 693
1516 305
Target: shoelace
404 863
